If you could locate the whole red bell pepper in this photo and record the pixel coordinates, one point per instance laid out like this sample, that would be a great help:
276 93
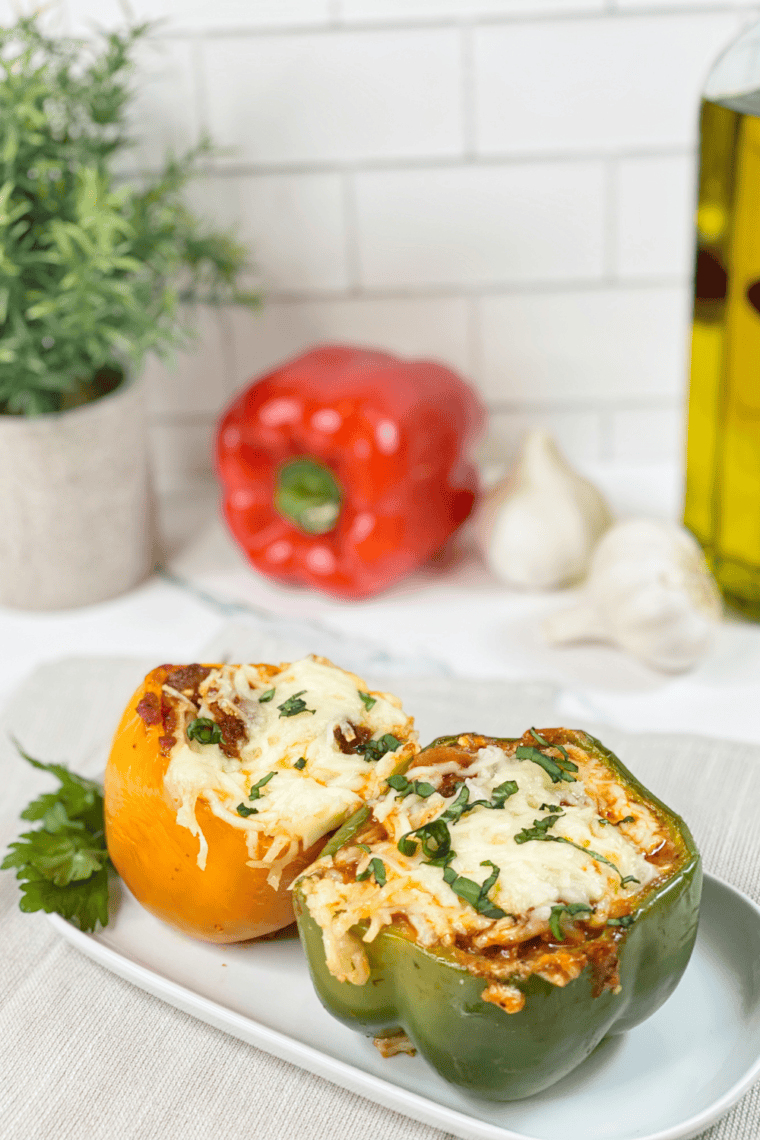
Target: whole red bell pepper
345 469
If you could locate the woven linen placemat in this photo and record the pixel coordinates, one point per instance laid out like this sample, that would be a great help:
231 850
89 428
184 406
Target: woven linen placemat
86 1056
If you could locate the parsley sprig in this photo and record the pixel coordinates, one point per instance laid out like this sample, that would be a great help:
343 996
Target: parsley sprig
63 865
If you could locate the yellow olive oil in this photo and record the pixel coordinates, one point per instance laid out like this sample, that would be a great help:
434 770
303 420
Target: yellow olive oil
722 507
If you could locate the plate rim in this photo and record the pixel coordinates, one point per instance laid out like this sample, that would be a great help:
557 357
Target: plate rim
381 1091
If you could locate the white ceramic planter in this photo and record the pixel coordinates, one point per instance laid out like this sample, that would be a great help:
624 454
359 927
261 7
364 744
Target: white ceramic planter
75 503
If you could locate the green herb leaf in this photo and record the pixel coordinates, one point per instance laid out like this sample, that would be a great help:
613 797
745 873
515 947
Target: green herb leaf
367 700
300 764
266 697
78 801
562 751
241 809
255 792
476 894
406 787
294 705
63 865
625 921
204 730
63 857
377 868
375 749
83 902
539 829
558 770
556 914
461 804
539 832
500 795
94 267
434 838
364 847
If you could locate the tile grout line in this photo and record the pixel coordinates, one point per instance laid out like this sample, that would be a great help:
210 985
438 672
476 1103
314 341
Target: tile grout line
468 94
400 163
336 23
495 408
351 234
612 173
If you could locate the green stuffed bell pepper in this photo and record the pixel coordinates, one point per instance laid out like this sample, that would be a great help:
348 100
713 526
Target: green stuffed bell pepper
505 906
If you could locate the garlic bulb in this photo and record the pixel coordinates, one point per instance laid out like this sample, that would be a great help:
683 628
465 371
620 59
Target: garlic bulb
648 591
538 527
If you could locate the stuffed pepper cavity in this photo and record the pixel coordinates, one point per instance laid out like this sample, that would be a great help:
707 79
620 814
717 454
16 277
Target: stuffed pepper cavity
225 780
505 903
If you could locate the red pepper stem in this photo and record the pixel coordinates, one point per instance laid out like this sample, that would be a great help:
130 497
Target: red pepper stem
308 494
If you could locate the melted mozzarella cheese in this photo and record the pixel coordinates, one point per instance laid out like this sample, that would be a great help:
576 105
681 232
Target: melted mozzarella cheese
534 875
296 806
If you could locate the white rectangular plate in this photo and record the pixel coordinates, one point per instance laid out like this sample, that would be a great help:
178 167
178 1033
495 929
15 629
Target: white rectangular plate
640 1085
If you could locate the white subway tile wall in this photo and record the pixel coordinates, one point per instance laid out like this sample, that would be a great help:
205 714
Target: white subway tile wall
503 185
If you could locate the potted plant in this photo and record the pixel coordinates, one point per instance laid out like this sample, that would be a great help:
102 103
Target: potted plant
93 273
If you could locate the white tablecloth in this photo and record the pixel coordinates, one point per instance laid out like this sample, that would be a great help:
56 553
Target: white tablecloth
86 1056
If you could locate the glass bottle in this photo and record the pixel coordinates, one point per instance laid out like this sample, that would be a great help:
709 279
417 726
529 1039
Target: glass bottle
722 506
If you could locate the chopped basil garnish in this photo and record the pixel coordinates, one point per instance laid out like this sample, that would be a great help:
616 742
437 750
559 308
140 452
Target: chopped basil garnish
377 868
375 749
476 894
406 787
626 819
434 838
243 810
204 730
300 763
367 700
557 911
294 705
616 823
625 921
460 805
501 794
364 847
255 792
267 696
550 807
545 744
539 831
558 770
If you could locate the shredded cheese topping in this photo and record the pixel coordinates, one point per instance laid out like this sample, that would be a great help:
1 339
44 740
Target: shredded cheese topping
591 854
304 731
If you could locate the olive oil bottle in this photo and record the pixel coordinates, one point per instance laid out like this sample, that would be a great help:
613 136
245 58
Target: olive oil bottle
722 506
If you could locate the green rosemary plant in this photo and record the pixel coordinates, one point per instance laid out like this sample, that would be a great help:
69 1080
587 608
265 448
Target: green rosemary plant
93 269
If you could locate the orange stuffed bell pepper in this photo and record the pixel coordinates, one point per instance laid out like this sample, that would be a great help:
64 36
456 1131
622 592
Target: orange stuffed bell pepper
346 469
225 781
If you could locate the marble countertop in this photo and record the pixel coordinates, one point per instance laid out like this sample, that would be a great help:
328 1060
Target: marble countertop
453 617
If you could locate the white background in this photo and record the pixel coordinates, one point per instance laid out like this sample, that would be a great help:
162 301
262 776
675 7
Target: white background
504 185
